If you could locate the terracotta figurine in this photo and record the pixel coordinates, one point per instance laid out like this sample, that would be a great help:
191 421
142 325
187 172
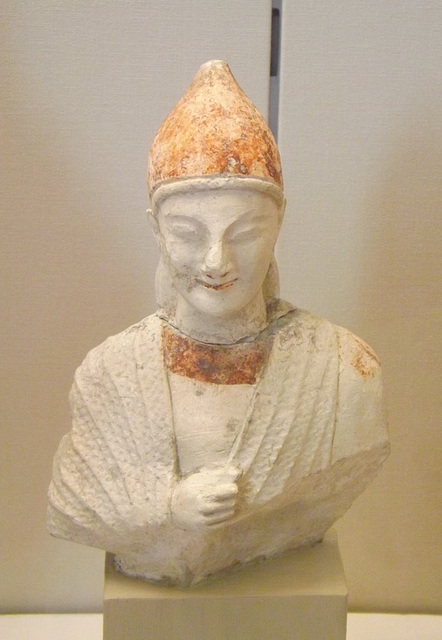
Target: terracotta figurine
229 425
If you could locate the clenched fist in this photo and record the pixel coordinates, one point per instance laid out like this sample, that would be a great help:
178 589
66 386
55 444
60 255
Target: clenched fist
206 498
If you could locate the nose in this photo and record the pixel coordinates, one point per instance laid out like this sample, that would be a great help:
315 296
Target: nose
217 263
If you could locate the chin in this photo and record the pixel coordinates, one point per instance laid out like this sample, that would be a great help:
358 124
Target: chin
219 304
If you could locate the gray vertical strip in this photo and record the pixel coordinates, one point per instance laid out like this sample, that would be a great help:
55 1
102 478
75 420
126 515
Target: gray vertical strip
275 67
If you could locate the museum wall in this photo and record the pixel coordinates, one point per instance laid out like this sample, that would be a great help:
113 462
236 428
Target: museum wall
361 141
84 88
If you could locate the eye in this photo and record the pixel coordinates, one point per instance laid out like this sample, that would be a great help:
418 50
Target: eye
184 232
247 234
183 229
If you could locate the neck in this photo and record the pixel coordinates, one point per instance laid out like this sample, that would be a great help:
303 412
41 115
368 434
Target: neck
250 321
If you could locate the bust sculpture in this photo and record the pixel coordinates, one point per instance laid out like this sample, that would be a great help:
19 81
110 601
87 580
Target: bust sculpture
229 425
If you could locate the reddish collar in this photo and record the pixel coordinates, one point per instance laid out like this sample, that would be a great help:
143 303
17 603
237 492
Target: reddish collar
220 364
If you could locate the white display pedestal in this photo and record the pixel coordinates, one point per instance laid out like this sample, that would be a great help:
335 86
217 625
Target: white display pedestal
301 595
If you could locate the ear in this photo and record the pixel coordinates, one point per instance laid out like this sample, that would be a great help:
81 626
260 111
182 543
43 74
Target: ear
281 212
154 225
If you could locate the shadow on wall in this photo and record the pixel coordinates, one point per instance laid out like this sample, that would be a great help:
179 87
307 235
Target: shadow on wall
404 252
402 290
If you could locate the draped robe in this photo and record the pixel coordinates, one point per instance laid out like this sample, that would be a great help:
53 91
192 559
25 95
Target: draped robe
312 439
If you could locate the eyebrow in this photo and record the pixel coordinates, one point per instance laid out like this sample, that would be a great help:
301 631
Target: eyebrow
256 217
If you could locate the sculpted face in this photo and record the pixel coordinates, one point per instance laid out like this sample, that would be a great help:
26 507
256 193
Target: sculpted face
218 244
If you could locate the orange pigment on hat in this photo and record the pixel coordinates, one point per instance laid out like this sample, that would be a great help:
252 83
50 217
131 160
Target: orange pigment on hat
213 130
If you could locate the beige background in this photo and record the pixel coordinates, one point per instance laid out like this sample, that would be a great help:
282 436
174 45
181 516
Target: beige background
84 87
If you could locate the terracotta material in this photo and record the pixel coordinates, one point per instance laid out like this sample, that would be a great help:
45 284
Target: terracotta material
229 425
236 364
214 129
365 361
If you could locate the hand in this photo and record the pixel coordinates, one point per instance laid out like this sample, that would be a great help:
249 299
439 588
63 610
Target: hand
206 498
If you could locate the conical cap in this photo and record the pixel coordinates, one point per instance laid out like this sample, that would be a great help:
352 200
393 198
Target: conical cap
213 130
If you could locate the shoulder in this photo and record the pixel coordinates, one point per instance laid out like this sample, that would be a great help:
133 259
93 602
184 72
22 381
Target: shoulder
361 421
118 348
301 332
301 324
356 355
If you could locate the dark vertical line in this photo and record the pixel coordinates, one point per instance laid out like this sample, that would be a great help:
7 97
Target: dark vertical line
275 54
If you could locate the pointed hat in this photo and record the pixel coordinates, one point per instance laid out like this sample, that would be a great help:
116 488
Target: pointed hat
213 130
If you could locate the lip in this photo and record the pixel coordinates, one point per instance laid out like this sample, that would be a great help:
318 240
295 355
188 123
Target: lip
218 287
